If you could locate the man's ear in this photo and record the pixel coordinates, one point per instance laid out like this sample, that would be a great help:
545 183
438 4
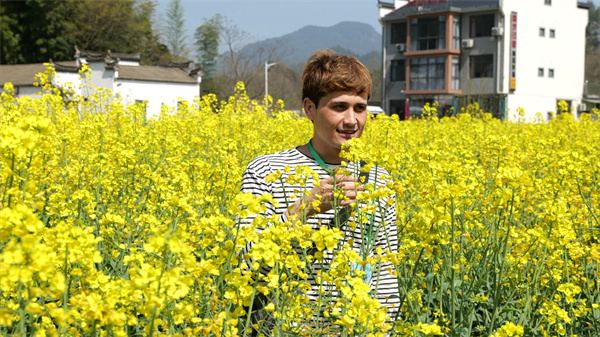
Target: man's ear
309 108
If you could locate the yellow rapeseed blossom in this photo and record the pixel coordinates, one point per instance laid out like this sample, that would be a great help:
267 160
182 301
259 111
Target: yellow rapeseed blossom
114 224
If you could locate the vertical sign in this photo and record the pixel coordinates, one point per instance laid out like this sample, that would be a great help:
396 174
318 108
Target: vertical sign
513 50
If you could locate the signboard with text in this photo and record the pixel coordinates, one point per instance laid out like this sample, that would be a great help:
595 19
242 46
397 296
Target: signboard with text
513 50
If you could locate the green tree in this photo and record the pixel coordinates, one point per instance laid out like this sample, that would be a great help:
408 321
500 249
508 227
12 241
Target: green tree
208 38
119 25
37 30
34 31
174 32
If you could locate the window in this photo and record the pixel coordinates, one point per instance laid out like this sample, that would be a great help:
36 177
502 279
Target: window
548 2
398 33
482 66
398 107
398 71
551 73
428 33
542 31
456 32
540 72
455 73
481 25
552 33
427 73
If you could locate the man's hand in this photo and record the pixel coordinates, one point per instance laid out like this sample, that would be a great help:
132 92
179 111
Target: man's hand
340 190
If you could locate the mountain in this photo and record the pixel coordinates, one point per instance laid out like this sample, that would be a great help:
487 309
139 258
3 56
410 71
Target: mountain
354 38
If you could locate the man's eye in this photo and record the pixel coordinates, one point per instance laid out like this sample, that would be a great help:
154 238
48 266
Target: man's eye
360 108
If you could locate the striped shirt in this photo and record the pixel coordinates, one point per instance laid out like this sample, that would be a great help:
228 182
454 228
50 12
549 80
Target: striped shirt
384 285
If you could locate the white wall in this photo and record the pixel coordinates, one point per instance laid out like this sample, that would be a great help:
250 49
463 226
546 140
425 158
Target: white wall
565 53
30 91
102 77
69 80
156 93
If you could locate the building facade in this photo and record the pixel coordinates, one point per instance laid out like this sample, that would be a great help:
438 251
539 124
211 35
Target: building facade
516 59
153 86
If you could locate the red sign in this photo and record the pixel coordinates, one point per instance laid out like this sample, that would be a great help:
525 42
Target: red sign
513 51
425 2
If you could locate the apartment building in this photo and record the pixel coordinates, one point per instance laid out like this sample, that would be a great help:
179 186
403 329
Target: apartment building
506 55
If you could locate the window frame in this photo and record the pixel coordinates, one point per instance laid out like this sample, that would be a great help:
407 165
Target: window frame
434 35
480 69
421 77
477 28
398 70
396 32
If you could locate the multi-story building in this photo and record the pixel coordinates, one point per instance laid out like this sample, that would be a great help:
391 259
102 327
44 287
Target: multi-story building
502 54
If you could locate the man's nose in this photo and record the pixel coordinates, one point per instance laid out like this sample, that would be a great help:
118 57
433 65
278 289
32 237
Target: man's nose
350 117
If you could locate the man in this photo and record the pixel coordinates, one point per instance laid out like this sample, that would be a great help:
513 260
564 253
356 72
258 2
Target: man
335 91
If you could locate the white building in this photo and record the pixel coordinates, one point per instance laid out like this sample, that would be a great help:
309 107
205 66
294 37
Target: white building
502 54
122 73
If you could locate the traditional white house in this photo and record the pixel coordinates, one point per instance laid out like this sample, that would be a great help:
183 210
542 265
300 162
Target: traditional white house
155 86
502 54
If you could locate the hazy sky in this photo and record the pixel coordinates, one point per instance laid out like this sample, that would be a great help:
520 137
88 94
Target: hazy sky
264 19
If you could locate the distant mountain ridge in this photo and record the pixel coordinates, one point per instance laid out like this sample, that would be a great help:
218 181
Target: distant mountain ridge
354 38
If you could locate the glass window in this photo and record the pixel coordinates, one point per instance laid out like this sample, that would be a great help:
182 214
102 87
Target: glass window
427 73
542 31
482 66
428 33
456 32
481 25
398 71
540 72
551 73
548 2
455 73
552 33
398 32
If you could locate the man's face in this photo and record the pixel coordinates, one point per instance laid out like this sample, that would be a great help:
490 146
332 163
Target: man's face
339 117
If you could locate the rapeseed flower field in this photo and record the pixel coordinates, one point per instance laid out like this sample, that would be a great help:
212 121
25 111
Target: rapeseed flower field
115 225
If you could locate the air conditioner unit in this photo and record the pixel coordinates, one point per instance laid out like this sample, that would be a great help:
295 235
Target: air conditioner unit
401 47
419 8
467 43
497 31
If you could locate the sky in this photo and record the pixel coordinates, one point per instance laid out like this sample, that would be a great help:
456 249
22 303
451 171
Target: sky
264 19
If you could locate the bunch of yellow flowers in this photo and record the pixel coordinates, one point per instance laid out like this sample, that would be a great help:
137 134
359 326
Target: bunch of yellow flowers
112 224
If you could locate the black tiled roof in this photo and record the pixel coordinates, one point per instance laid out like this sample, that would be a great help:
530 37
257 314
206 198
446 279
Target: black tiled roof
454 5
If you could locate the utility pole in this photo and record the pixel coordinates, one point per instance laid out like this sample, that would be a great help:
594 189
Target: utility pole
267 66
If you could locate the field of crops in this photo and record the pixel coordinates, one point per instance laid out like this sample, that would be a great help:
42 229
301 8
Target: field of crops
114 225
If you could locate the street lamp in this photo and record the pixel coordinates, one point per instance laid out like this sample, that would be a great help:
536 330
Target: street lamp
267 66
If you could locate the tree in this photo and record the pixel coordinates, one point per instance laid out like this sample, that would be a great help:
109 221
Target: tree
208 37
244 62
34 31
175 33
122 26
